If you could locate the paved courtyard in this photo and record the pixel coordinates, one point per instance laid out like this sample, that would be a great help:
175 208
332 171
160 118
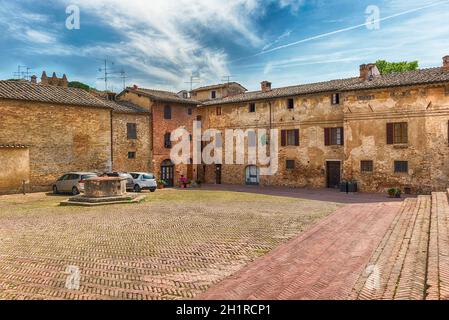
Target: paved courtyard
175 245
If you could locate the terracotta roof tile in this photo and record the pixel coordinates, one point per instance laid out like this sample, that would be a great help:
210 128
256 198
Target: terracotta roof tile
164 96
422 76
125 107
21 90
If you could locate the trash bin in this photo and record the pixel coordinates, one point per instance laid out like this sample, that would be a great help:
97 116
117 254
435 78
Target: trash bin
352 187
344 186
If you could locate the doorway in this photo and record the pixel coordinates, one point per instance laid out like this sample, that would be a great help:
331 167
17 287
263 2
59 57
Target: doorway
333 169
218 172
252 175
168 173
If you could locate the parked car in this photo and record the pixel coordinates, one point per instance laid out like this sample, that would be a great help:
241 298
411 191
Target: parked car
144 181
127 176
72 182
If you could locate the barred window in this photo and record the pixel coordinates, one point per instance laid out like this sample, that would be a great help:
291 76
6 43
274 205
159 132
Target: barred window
367 166
131 129
290 164
401 166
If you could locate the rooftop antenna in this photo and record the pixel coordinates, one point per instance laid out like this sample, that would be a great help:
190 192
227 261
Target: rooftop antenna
20 74
193 80
106 70
123 76
227 79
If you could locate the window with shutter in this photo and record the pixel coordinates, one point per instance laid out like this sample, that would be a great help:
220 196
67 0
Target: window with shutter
167 112
333 136
397 133
167 140
131 129
218 111
336 98
283 138
290 137
252 107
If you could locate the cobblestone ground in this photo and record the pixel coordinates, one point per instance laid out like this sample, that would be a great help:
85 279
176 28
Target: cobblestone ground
174 246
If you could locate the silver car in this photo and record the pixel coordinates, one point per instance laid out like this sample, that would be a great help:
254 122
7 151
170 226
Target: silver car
72 182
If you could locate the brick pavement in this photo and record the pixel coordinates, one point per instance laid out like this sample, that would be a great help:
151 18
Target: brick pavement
174 246
323 263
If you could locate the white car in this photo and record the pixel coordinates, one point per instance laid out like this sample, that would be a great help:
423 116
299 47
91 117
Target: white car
144 181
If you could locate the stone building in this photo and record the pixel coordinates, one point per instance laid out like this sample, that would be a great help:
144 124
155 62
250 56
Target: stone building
48 129
168 111
380 130
218 91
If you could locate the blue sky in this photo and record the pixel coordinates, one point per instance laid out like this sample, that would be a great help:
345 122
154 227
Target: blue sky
160 43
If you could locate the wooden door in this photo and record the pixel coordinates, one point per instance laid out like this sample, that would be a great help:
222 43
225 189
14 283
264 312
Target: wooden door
333 174
218 171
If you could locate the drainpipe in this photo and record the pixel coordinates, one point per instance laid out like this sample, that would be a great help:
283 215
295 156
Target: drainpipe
112 143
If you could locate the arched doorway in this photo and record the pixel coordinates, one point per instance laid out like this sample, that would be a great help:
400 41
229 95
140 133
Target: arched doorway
168 173
252 175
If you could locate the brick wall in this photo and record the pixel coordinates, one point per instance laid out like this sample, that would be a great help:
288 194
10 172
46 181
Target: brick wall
61 138
122 145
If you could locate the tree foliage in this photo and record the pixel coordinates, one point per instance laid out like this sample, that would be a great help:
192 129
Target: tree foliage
79 85
386 67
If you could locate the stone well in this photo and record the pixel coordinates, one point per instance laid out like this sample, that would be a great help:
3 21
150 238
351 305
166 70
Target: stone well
104 191
105 187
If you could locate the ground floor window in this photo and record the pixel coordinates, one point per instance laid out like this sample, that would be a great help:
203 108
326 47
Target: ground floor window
367 166
401 166
290 164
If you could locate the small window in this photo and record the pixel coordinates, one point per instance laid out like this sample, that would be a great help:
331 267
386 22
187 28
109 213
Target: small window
335 98
291 104
131 129
367 166
218 111
401 166
213 94
189 111
131 155
198 118
333 136
167 112
167 140
397 133
252 107
290 164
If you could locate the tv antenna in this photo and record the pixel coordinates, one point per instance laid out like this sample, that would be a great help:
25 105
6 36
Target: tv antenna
21 74
106 70
193 80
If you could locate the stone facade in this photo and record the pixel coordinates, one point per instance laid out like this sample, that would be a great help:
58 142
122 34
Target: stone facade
182 116
217 91
363 114
140 147
426 111
59 139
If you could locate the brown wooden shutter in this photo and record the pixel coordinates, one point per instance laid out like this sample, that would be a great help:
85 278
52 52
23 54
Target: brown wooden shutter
342 136
297 137
405 133
283 138
448 132
327 136
390 133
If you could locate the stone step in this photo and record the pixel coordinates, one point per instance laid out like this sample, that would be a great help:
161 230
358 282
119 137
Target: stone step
438 257
399 263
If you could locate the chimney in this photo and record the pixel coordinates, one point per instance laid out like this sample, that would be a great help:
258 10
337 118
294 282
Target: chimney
265 86
446 63
368 72
64 82
44 78
34 79
135 87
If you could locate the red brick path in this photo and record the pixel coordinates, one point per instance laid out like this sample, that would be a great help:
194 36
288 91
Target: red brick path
323 263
